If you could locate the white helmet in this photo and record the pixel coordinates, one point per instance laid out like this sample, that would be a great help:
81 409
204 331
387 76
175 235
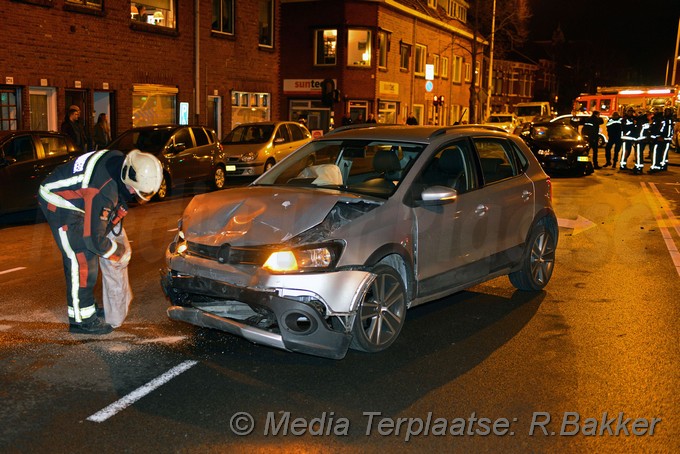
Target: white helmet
143 172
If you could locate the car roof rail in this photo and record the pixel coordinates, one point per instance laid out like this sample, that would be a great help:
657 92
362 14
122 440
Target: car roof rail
359 126
445 129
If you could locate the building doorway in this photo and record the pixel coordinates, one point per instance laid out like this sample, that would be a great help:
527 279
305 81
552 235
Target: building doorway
43 102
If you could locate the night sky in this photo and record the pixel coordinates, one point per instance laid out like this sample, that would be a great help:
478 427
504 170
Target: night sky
640 33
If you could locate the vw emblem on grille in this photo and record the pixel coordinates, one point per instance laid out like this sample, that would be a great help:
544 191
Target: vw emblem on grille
223 253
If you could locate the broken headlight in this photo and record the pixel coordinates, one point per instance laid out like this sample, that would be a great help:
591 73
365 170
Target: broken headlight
313 257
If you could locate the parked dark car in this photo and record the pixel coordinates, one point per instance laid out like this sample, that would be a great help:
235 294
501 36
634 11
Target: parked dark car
578 120
558 147
188 153
325 254
26 158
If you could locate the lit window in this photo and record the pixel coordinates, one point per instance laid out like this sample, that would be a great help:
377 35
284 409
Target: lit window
404 56
358 48
445 68
157 12
382 49
435 61
326 47
94 4
457 70
266 23
468 72
419 61
8 109
223 16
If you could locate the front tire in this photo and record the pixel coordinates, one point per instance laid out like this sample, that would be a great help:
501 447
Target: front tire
381 313
538 261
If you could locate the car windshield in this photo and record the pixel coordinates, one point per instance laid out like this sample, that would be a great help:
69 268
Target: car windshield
370 167
249 134
499 119
554 132
149 140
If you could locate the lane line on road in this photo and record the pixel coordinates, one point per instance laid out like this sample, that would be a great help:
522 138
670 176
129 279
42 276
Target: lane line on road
665 233
13 270
121 404
669 213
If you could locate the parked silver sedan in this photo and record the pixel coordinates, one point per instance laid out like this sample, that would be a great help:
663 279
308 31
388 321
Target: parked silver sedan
328 249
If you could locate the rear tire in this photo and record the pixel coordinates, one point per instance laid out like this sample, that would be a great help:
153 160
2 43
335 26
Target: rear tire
538 261
219 177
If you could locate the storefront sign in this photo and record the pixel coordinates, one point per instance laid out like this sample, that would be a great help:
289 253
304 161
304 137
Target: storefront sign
303 86
389 88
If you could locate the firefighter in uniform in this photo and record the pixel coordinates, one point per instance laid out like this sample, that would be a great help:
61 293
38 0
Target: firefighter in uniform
613 140
591 132
667 131
644 139
656 140
83 200
630 131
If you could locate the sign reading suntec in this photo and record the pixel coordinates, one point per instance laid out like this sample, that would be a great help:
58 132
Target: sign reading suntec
303 86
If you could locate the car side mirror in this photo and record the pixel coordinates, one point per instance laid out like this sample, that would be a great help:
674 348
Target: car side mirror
438 195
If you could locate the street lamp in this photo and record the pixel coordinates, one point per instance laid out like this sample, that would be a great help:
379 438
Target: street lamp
675 62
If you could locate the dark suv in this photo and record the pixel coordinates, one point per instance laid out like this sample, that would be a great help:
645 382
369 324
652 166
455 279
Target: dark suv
188 153
26 158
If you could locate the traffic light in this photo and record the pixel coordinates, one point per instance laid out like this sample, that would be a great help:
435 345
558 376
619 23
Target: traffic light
438 101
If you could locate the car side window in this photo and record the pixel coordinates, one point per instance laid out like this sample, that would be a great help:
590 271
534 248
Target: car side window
200 136
183 137
296 133
53 146
495 157
451 166
21 149
282 133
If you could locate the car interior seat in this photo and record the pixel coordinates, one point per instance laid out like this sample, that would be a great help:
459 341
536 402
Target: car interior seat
452 167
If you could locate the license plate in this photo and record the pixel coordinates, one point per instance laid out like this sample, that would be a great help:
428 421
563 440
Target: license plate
580 159
231 168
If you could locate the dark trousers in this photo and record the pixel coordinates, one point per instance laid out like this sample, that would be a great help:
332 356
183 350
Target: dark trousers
80 265
616 143
593 146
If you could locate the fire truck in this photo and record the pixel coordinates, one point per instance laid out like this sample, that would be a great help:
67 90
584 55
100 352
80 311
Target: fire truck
608 100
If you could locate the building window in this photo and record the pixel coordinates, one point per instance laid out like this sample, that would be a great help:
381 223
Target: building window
382 49
266 23
8 109
457 70
249 107
404 56
468 72
432 3
157 12
94 4
326 47
445 68
223 16
358 47
387 112
153 104
419 61
435 62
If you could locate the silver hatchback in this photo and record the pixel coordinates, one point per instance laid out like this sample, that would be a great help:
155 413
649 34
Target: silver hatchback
328 249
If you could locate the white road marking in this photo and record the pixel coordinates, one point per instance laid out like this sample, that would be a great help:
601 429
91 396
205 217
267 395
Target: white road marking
13 270
121 404
661 222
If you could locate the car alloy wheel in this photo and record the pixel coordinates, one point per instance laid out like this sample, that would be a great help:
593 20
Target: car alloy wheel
538 261
163 190
381 313
219 177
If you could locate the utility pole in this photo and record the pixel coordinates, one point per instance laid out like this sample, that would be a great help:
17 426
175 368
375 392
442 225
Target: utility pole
490 86
675 59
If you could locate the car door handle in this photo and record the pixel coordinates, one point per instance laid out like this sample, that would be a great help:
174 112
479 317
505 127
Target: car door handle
526 195
481 210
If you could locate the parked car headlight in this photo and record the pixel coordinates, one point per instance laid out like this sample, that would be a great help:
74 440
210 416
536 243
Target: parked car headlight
306 258
249 157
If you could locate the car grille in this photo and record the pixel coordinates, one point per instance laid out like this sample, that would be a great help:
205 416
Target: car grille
227 254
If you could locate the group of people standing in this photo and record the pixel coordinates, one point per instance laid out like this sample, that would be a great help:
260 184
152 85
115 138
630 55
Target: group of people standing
73 127
633 133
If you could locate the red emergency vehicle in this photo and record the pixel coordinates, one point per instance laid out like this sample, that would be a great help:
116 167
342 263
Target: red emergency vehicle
608 100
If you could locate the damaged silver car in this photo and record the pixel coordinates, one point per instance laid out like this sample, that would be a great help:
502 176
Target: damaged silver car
328 249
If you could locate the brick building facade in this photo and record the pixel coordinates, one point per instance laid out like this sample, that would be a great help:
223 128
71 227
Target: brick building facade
99 55
375 53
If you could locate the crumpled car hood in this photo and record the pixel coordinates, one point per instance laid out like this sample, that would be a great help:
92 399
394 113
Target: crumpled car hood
258 215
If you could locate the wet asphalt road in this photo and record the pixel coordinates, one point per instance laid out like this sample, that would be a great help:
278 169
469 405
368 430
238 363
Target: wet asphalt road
588 365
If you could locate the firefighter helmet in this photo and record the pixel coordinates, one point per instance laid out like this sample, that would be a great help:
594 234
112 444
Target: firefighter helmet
143 173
